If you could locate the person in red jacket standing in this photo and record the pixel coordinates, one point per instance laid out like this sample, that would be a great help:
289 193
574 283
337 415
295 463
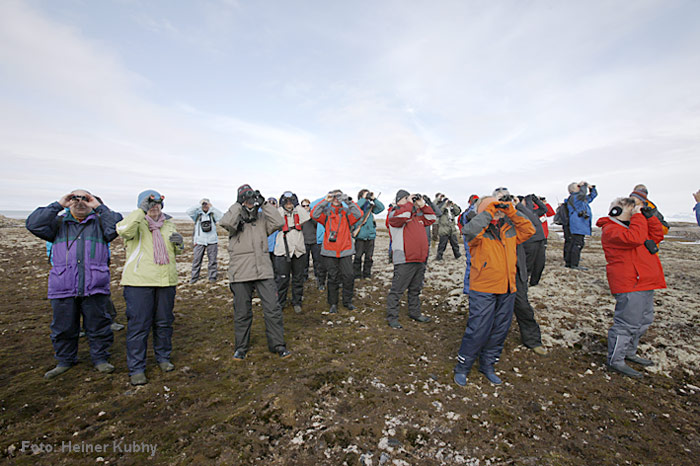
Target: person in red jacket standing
407 222
630 235
337 213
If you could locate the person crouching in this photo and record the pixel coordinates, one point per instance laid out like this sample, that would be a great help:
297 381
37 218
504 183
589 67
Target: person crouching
493 236
630 235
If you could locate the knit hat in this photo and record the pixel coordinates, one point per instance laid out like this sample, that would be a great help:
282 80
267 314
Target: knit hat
149 193
401 194
640 194
473 198
243 192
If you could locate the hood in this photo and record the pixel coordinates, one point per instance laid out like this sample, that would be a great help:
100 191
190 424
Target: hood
602 221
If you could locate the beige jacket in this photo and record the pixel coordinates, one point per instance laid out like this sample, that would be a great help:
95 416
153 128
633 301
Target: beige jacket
247 242
295 238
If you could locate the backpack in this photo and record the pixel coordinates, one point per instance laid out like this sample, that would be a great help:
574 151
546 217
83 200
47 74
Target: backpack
561 216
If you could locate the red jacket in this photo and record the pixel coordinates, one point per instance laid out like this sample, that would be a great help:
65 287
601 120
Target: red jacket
409 241
631 267
337 219
545 225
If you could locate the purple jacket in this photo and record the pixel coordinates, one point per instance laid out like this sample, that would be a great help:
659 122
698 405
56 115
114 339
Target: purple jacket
80 249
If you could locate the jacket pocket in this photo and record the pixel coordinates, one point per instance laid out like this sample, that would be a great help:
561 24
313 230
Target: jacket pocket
62 280
98 279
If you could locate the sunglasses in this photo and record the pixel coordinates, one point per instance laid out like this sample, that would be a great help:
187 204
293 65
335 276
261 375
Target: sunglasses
305 205
79 198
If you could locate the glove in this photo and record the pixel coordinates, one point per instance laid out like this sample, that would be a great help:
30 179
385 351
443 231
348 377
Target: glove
647 211
259 199
176 238
147 203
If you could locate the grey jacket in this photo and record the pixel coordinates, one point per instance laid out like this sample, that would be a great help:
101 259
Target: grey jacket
247 242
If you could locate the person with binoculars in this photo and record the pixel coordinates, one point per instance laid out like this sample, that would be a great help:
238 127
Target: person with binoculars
149 279
205 238
579 225
493 235
365 232
447 230
337 213
407 223
79 277
249 222
630 237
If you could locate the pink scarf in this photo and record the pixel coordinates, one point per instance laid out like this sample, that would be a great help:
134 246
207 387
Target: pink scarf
160 254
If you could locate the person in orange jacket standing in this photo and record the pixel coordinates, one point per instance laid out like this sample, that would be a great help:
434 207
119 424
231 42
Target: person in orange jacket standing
493 236
337 213
630 235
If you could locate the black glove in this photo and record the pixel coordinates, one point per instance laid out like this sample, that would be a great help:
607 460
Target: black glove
259 199
176 238
647 211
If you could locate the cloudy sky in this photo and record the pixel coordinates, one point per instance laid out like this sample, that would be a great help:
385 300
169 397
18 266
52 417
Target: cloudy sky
194 98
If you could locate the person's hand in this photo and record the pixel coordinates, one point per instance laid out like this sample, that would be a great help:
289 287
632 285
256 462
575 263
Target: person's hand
329 196
147 203
419 201
176 238
65 200
637 209
92 202
259 198
508 208
697 196
647 211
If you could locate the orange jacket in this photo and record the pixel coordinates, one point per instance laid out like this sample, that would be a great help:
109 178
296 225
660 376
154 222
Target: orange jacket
337 219
493 247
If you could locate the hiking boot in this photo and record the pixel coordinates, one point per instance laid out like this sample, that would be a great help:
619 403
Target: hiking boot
116 327
138 379
539 350
56 371
297 309
239 355
421 318
283 352
395 325
333 309
349 307
460 379
166 366
624 369
639 360
491 376
104 367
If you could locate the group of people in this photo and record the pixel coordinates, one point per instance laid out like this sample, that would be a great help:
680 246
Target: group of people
270 242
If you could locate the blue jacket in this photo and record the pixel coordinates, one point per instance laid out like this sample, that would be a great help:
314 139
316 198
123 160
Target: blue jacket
320 229
697 212
80 251
580 214
198 215
369 229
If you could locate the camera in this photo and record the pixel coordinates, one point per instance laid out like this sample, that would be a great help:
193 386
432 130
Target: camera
584 215
332 236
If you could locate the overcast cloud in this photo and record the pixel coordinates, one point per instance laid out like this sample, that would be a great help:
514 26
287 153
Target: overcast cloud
196 98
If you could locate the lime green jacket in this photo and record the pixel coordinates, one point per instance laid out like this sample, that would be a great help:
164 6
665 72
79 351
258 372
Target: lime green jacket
139 268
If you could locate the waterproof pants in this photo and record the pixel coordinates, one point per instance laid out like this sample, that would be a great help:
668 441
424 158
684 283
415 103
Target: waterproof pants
243 313
65 327
572 247
340 271
634 313
487 328
148 307
320 268
363 247
468 269
309 253
525 315
442 245
212 251
535 252
292 270
409 277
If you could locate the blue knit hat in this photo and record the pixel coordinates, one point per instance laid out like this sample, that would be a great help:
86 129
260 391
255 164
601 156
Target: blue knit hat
147 193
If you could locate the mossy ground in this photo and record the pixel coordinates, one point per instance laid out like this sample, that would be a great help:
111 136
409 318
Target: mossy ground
353 387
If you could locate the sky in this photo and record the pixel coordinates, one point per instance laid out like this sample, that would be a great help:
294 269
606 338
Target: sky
195 98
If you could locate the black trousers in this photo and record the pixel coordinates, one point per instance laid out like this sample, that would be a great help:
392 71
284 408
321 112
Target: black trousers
572 247
535 252
363 247
293 269
406 277
320 269
340 271
243 313
442 245
525 315
307 261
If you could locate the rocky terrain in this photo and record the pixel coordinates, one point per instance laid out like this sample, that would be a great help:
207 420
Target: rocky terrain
355 391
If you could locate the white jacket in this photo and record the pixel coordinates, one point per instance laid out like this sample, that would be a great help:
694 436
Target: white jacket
295 238
198 215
